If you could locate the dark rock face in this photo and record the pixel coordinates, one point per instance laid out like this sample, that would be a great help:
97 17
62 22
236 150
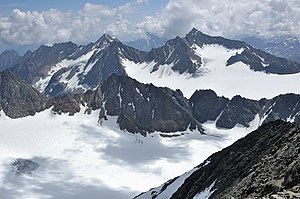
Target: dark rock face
17 98
283 106
34 65
176 52
262 164
239 111
145 108
105 60
197 37
8 59
140 108
207 105
71 103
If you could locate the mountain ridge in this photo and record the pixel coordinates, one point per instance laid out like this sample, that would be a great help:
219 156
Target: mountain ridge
70 68
145 108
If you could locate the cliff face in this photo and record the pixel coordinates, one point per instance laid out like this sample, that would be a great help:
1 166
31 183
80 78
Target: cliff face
17 98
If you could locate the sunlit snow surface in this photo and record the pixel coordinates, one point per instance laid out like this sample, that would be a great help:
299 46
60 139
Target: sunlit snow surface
236 79
80 158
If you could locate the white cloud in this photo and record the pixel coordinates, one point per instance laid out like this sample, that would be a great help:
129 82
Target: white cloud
227 18
52 26
231 17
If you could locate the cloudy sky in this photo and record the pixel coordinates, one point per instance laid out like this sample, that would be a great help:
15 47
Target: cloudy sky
27 24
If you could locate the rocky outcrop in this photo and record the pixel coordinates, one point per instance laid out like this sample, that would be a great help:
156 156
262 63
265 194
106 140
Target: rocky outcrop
72 103
24 166
17 98
264 164
207 106
142 108
239 110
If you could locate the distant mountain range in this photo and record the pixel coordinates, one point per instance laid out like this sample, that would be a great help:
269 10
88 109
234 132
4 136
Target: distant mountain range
197 57
281 46
147 43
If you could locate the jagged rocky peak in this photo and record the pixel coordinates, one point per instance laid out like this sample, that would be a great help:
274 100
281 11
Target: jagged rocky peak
143 108
176 53
17 98
197 37
104 40
207 105
264 164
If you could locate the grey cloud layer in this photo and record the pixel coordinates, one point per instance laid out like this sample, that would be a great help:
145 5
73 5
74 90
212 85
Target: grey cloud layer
219 17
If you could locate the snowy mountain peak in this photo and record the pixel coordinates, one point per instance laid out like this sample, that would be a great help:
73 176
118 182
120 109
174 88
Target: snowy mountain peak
194 31
104 40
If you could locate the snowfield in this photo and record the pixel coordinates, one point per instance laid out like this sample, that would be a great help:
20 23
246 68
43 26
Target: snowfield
228 81
78 157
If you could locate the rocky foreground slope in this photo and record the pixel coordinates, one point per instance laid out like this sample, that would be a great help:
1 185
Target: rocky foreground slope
264 164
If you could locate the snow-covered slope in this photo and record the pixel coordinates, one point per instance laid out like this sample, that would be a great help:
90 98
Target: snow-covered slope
79 157
263 164
235 79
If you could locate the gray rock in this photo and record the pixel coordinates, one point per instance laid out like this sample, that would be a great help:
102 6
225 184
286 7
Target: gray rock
207 105
239 111
145 108
17 98
35 65
24 166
